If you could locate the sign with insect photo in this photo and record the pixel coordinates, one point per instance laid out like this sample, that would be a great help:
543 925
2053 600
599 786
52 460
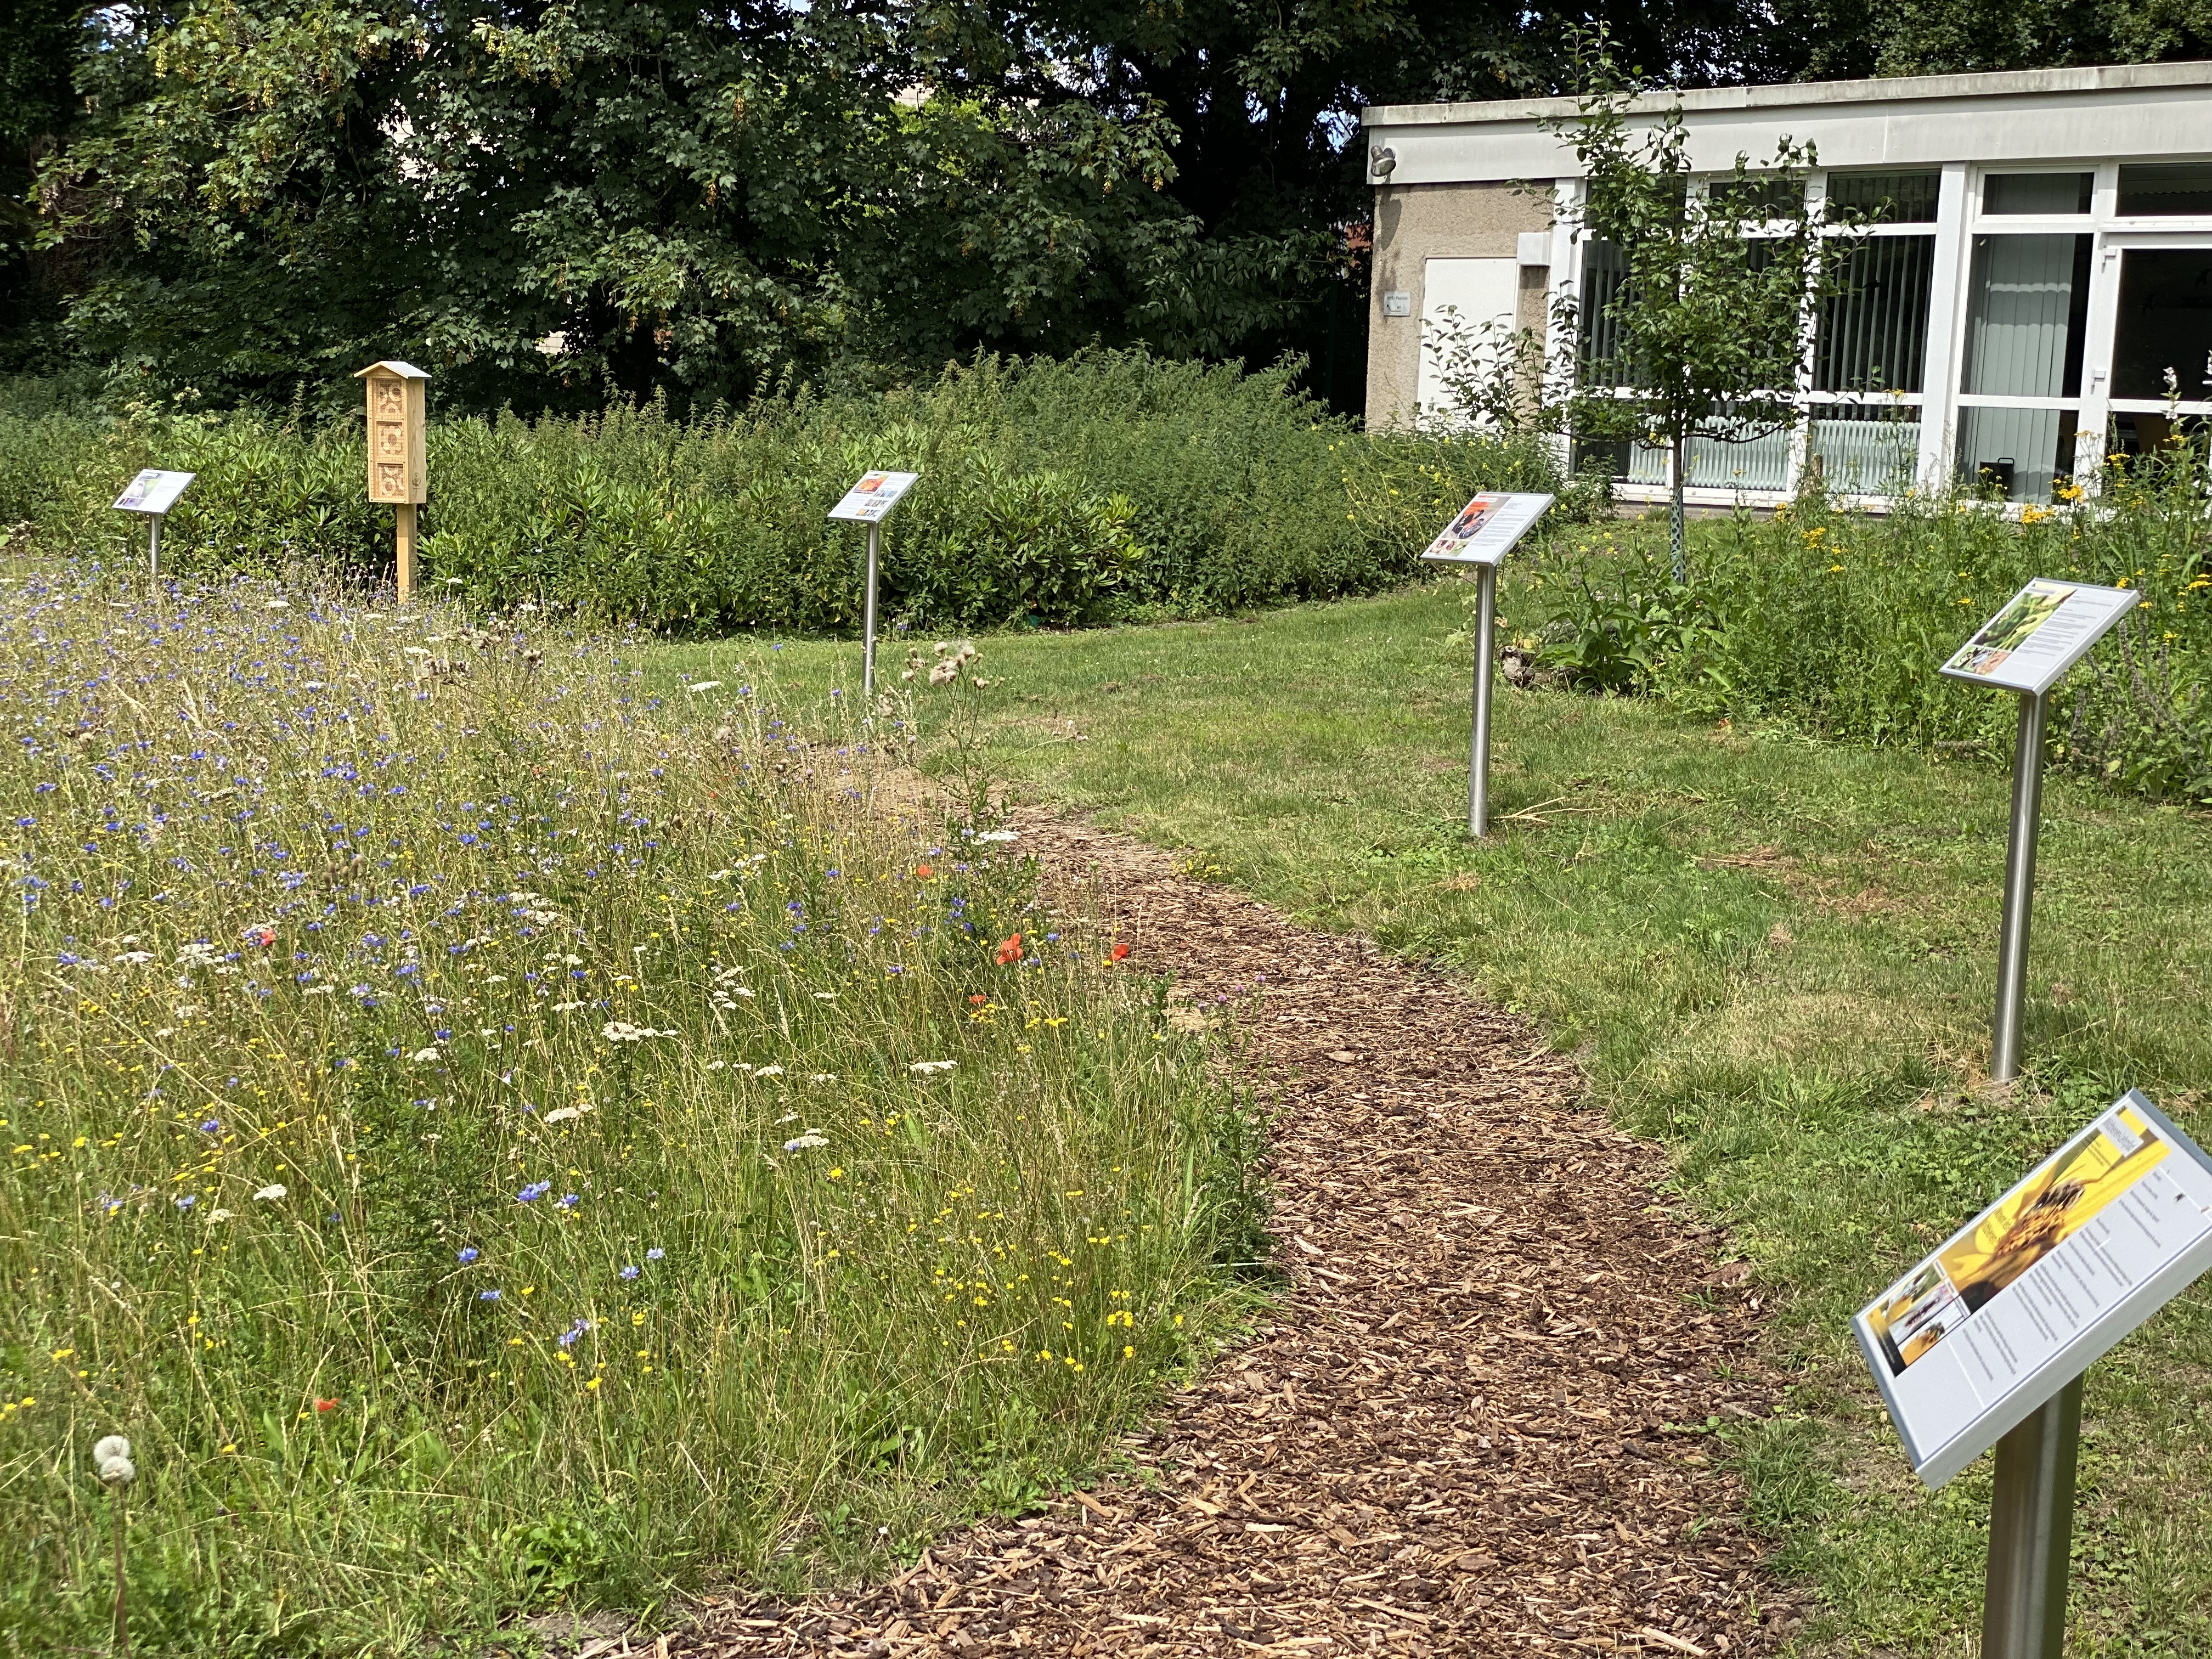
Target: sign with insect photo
2018 1302
871 500
1487 528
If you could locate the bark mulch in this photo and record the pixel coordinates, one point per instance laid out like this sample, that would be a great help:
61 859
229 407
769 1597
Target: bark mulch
1463 1429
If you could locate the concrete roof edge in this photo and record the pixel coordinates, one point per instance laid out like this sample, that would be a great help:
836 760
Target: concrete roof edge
1805 94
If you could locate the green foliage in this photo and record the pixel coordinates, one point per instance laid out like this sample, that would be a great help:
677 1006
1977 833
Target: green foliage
490 1140
1109 486
1837 621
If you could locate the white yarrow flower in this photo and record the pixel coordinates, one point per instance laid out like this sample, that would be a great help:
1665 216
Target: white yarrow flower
926 1066
1000 834
767 1071
271 1192
424 1056
703 685
812 1139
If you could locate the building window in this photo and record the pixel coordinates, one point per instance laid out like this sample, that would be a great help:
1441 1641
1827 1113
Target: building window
1888 198
2164 325
2026 310
2027 303
1605 273
1755 460
1856 452
2043 194
2018 453
2160 190
1873 335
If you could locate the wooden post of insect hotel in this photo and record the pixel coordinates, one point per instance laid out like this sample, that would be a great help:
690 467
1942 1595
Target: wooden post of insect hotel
398 470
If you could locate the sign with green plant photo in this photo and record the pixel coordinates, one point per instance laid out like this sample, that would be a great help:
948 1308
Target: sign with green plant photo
2042 630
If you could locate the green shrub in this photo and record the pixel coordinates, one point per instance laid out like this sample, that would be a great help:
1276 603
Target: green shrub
1056 493
1838 621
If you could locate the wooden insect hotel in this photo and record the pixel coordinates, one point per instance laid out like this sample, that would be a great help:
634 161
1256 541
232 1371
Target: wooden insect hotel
398 471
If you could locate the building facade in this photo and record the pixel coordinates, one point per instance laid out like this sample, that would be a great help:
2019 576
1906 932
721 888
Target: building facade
2036 294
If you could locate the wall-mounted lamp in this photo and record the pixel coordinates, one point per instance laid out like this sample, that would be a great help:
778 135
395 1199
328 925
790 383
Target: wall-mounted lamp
1382 161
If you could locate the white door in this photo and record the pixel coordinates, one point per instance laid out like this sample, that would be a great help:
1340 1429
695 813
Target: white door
1458 298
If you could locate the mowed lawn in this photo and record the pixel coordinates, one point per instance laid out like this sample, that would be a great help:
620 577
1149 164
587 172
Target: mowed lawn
1776 954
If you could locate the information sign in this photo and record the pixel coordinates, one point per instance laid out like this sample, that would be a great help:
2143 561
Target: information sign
2016 1304
1486 527
2048 627
871 500
153 491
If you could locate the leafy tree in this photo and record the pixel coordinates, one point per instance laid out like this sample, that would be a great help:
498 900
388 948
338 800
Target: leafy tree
42 43
1850 38
1692 321
593 197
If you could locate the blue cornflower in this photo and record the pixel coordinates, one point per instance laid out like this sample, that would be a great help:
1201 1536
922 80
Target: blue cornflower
629 1273
211 1125
487 1295
567 1201
655 1254
534 1191
469 1255
187 1201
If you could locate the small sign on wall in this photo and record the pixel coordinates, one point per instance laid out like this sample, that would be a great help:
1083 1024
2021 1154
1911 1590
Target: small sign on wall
1397 303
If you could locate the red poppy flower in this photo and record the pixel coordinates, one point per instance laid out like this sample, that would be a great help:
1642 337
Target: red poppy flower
1011 951
979 999
923 870
326 1404
261 936
1117 953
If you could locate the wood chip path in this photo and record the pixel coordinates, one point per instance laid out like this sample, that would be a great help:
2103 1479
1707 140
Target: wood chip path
1461 1434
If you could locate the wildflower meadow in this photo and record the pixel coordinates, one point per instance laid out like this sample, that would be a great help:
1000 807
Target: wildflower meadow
488 1136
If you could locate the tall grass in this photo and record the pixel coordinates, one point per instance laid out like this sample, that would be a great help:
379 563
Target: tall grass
490 1140
1837 621
1110 487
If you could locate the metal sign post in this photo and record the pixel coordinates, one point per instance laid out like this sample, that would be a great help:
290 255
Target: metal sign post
1485 529
868 617
1477 769
153 493
870 503
2019 886
2031 1530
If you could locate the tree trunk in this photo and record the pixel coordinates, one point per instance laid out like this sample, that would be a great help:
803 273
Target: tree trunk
1676 536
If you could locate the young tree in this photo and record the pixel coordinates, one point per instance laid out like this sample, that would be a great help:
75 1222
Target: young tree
1693 318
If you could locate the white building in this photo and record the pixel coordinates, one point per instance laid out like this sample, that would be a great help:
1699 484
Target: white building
2045 262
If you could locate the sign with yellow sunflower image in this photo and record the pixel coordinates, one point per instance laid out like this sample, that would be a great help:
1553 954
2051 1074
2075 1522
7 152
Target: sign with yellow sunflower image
2017 1302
